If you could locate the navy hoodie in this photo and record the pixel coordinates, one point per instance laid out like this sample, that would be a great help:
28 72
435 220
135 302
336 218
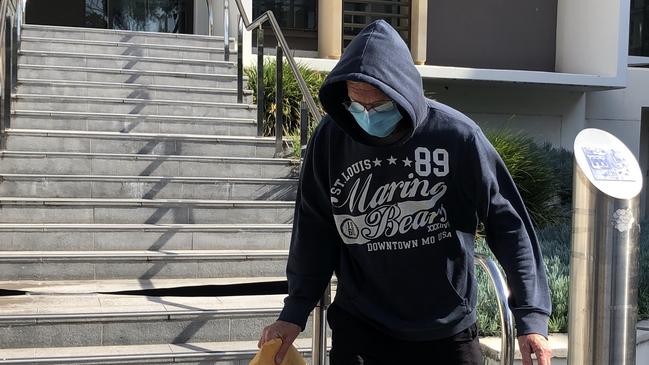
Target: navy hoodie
395 218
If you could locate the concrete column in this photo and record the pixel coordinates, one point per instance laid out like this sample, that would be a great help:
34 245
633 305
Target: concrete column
330 28
574 120
418 30
593 37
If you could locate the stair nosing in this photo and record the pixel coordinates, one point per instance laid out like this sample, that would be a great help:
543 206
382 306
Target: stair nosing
140 255
141 202
132 71
199 179
98 115
121 31
97 42
83 83
46 227
130 135
104 99
270 160
125 57
168 315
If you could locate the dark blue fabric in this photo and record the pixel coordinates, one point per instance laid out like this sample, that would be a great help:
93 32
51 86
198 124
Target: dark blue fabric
395 217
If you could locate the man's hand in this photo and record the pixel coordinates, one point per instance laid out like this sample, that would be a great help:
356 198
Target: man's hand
536 344
287 331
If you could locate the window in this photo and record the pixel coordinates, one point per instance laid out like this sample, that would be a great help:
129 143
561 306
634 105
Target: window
358 14
290 14
639 28
168 16
298 20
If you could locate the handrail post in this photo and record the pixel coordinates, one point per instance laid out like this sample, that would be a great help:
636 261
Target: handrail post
506 318
304 127
319 338
226 30
261 104
210 18
240 61
279 101
14 52
6 120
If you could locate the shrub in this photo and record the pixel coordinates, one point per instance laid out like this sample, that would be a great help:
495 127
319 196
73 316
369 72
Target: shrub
291 98
555 244
530 168
643 289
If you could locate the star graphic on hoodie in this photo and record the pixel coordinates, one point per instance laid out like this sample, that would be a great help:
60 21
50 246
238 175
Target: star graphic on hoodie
406 162
392 160
377 162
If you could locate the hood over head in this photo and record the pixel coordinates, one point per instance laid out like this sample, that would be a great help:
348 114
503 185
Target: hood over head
378 56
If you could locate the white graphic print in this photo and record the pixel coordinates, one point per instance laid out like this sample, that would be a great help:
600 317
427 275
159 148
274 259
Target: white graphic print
369 214
623 219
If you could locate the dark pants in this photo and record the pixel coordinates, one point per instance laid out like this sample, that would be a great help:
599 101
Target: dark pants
356 343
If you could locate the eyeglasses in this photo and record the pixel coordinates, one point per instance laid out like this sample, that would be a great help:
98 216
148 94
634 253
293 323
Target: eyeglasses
380 106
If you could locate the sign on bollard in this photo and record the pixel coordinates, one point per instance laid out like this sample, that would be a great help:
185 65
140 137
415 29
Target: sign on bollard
604 254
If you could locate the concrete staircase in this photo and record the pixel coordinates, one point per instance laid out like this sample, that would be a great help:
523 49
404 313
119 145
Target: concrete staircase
130 166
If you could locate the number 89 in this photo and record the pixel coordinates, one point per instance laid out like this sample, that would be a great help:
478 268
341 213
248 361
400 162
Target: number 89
423 159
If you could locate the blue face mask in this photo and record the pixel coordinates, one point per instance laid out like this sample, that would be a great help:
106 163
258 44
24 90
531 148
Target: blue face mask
379 121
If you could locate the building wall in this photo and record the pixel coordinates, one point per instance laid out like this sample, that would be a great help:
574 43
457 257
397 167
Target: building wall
504 34
548 115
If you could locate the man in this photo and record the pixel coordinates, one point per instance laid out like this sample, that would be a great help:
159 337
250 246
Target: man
391 192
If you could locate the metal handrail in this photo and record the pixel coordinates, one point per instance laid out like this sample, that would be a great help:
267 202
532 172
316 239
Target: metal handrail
281 40
507 337
282 48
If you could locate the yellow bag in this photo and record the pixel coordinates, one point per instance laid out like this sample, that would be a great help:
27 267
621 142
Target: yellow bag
266 355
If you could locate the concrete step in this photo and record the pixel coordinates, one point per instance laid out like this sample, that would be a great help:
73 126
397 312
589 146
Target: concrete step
171 264
121 237
124 61
80 34
144 211
146 187
38 321
138 123
194 353
123 90
69 163
139 143
127 76
178 51
133 106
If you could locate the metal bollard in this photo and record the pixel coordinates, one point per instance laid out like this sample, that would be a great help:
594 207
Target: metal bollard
604 256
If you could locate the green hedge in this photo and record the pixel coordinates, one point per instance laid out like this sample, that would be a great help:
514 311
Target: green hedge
555 244
291 98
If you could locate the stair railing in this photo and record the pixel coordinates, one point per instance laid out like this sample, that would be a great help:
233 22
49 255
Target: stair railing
12 17
308 103
507 337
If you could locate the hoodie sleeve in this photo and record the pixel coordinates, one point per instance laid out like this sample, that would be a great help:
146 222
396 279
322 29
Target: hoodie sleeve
509 234
314 241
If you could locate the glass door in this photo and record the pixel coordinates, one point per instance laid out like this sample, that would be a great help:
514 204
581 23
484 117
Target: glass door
167 16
